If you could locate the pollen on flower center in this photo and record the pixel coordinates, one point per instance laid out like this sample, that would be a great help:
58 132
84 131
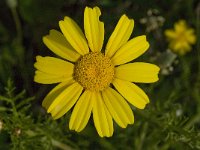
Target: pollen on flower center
94 71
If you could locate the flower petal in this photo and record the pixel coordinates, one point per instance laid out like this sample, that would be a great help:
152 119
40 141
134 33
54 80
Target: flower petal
120 35
132 93
74 35
65 100
51 96
170 34
54 66
101 116
52 70
94 29
118 107
138 72
190 36
44 78
180 26
57 43
131 50
82 111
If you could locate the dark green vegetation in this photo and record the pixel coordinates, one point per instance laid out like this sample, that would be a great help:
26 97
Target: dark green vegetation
172 119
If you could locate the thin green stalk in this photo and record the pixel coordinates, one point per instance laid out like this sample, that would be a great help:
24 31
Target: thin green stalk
195 119
142 137
60 145
20 52
14 109
17 24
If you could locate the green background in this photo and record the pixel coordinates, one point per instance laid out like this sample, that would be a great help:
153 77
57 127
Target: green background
171 120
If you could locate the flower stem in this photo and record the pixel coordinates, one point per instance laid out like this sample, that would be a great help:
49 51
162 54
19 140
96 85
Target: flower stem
17 24
60 145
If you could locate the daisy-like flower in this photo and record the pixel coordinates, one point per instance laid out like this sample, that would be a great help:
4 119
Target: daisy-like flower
95 82
181 37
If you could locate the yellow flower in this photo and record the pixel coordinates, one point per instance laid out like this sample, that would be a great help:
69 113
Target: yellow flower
85 74
181 38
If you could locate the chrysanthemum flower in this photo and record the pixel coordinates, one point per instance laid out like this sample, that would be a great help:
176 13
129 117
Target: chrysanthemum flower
94 81
180 38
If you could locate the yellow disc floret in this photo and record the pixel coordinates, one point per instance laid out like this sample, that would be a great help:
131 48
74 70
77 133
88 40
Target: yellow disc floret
94 71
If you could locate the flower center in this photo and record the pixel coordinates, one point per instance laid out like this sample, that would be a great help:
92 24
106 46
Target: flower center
181 36
94 71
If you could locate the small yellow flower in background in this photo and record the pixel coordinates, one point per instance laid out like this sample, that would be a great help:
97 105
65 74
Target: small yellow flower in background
92 81
180 38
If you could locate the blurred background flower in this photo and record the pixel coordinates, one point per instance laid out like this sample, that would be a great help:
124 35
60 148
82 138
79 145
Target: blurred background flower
181 37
